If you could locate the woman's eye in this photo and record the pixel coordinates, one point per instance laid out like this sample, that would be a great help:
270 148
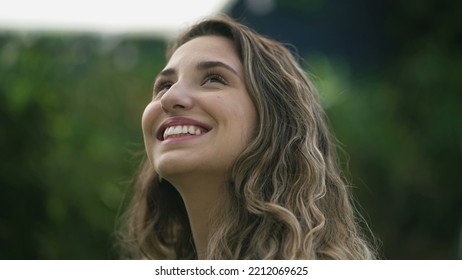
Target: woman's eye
161 87
215 78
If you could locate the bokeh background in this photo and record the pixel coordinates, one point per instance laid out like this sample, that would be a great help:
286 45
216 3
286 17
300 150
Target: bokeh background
389 73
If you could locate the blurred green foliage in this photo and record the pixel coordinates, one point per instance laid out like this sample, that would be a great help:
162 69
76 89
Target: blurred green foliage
70 110
401 125
70 136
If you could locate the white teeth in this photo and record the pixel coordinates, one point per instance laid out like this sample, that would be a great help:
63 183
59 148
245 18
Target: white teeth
179 130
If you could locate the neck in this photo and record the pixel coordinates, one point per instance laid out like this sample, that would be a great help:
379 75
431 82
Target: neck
201 200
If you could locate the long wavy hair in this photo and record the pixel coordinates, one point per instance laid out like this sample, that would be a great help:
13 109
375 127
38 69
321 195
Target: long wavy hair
286 198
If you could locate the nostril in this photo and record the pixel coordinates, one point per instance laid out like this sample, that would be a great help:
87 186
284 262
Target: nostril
172 108
176 106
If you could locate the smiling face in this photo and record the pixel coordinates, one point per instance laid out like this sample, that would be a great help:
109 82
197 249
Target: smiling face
201 116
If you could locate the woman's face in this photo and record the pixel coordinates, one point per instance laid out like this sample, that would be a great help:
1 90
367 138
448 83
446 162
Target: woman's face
201 116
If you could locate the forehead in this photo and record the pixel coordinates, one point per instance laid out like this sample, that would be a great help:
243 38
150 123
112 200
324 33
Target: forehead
205 48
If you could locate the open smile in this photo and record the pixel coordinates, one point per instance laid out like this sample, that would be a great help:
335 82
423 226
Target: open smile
180 127
182 130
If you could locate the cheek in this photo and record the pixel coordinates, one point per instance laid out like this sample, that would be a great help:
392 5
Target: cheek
240 118
251 117
248 123
150 114
245 115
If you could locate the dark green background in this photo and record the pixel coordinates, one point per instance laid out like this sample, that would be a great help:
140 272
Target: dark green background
389 74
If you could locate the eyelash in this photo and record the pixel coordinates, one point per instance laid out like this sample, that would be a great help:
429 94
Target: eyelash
214 75
163 84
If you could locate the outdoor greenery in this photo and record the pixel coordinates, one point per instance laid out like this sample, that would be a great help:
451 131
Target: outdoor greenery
70 135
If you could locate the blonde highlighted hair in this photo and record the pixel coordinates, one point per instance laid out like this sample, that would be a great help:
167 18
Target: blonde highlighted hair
286 198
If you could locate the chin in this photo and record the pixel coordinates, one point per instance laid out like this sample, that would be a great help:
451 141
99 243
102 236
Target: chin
174 168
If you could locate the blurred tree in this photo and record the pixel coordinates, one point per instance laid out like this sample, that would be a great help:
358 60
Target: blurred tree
70 109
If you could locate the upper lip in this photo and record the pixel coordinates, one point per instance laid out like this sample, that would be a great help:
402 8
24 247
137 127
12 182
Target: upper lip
179 121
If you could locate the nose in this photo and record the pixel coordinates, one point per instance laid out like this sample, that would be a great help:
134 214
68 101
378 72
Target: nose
176 99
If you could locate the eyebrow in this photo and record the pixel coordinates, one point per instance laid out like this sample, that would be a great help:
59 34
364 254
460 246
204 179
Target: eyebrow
202 65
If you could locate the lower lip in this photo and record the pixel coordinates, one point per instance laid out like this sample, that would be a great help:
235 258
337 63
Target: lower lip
182 138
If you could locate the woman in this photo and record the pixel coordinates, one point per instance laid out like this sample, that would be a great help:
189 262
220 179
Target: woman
240 161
